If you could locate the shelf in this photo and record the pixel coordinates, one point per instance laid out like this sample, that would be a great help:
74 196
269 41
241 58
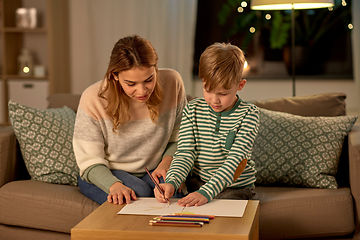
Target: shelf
23 30
21 77
48 43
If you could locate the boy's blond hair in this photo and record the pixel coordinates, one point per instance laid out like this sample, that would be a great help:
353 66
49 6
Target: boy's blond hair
221 65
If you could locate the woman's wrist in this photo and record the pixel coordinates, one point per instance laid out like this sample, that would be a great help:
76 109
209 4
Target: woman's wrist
114 185
166 161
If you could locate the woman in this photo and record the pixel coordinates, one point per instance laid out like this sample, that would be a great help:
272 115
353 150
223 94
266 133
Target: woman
126 122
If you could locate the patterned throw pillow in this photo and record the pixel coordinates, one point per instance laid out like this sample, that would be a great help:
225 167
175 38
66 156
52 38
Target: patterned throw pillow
292 150
45 139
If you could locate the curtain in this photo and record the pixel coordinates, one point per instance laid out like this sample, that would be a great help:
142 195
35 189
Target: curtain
355 7
96 25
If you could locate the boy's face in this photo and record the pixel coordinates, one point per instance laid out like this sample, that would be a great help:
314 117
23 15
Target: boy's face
221 99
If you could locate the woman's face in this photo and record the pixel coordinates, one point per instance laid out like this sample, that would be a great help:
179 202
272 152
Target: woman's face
138 83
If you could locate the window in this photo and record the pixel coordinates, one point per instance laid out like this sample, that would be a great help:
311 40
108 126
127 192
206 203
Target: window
322 37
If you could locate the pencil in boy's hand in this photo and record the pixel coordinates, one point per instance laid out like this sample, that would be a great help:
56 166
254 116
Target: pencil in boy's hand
157 185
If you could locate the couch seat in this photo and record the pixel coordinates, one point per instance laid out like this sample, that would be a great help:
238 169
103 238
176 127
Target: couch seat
307 212
39 205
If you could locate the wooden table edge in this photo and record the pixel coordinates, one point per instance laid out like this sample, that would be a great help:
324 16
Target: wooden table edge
79 232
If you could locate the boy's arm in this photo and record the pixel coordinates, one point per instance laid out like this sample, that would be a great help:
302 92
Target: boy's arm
183 160
240 149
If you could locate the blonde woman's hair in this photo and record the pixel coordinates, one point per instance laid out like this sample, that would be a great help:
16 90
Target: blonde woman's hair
128 53
221 65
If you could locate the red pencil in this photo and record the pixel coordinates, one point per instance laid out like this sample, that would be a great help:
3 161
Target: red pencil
157 185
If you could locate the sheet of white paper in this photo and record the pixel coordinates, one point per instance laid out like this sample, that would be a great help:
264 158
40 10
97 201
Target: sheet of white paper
217 207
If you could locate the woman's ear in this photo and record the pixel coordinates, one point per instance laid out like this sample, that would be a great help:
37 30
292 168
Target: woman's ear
115 76
241 84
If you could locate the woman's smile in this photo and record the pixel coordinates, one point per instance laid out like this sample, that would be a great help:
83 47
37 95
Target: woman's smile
141 98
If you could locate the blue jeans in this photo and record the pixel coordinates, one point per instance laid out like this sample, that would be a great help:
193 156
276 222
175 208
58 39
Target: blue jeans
143 187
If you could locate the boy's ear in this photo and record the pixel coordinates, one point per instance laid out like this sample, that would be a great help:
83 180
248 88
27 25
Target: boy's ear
241 84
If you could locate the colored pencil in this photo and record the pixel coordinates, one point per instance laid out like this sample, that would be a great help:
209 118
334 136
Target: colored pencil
194 215
157 185
175 224
180 218
173 221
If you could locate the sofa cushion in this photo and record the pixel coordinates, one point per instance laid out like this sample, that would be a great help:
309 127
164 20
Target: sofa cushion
7 155
41 205
326 104
45 139
287 213
292 150
18 233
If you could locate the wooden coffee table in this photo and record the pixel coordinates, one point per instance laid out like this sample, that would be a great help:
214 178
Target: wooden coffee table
105 223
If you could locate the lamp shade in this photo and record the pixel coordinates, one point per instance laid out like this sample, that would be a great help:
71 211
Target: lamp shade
289 4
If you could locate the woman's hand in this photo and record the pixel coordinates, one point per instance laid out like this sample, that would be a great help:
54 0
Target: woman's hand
118 192
168 190
162 168
193 199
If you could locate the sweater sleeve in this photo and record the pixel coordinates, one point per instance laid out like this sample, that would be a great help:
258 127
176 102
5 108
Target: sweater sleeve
101 176
240 149
170 149
88 142
88 138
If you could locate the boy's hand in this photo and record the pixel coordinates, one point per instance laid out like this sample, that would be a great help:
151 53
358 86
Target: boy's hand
168 190
193 199
118 192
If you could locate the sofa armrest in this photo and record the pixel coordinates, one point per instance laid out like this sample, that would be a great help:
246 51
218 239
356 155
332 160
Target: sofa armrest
8 154
354 170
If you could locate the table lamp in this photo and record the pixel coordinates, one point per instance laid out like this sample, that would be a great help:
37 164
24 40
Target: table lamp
290 5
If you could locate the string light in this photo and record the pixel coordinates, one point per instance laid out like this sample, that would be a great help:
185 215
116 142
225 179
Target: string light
330 8
252 30
244 4
343 2
268 16
350 26
240 9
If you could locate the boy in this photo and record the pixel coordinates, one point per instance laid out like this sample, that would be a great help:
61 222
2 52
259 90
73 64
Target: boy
216 133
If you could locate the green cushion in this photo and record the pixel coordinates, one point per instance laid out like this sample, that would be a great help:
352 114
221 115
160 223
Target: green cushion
45 139
292 150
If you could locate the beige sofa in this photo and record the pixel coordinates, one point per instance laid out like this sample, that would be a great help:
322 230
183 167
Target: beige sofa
37 210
